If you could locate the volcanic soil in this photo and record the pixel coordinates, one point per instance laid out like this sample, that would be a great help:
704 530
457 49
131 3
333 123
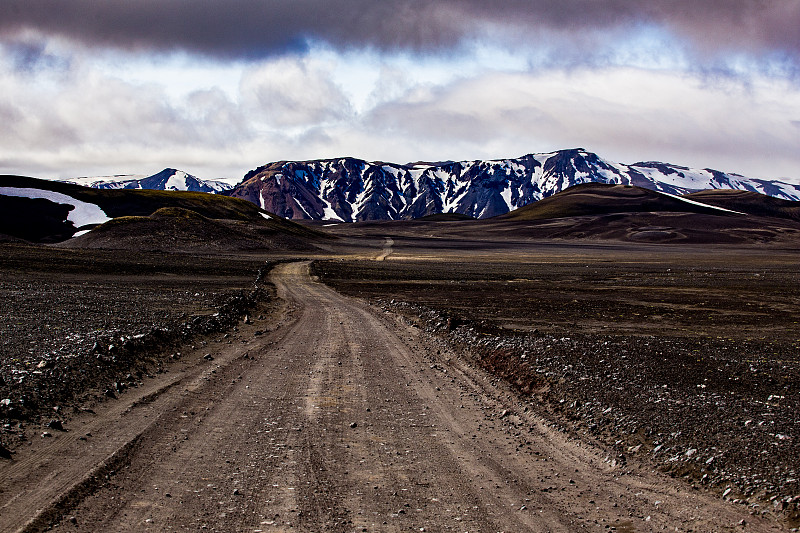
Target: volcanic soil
456 379
684 356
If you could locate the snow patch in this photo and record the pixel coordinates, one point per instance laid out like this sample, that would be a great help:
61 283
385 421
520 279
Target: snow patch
449 206
298 204
83 213
177 182
265 216
330 214
506 194
116 181
701 204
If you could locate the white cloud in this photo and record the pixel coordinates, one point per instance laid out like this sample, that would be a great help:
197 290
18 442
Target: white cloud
95 118
624 114
90 121
294 92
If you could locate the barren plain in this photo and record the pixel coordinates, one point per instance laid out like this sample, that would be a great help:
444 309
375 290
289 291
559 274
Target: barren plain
446 384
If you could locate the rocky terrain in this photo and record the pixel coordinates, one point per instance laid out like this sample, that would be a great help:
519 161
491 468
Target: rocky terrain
330 415
689 363
590 339
82 326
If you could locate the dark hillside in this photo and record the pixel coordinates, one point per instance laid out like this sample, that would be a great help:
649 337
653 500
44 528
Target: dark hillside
602 199
748 202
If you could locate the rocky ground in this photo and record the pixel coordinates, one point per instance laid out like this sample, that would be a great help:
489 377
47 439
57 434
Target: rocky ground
693 366
79 327
684 358
332 415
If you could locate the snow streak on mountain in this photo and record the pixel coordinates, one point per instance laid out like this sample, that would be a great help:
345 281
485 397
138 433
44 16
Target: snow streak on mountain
168 179
352 190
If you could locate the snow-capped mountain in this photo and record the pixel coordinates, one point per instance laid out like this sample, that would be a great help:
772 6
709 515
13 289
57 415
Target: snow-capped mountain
168 179
105 182
351 189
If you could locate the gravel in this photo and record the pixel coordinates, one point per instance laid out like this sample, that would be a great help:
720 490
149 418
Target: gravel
718 412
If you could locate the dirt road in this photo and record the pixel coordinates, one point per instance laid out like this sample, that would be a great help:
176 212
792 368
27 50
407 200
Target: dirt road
387 249
338 418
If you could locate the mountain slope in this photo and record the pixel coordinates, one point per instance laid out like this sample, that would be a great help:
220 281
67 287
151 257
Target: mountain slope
176 229
749 202
350 189
168 179
48 211
600 199
598 212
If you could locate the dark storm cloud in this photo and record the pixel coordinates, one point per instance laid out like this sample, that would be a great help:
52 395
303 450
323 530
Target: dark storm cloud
257 28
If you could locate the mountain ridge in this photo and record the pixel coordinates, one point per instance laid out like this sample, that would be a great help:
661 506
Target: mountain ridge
169 179
349 189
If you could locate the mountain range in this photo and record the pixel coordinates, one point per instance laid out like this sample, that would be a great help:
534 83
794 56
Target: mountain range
350 190
42 211
169 179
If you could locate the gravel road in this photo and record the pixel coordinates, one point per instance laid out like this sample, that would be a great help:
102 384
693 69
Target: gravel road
334 417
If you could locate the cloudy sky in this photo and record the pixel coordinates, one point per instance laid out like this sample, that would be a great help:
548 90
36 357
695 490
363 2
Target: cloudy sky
217 88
